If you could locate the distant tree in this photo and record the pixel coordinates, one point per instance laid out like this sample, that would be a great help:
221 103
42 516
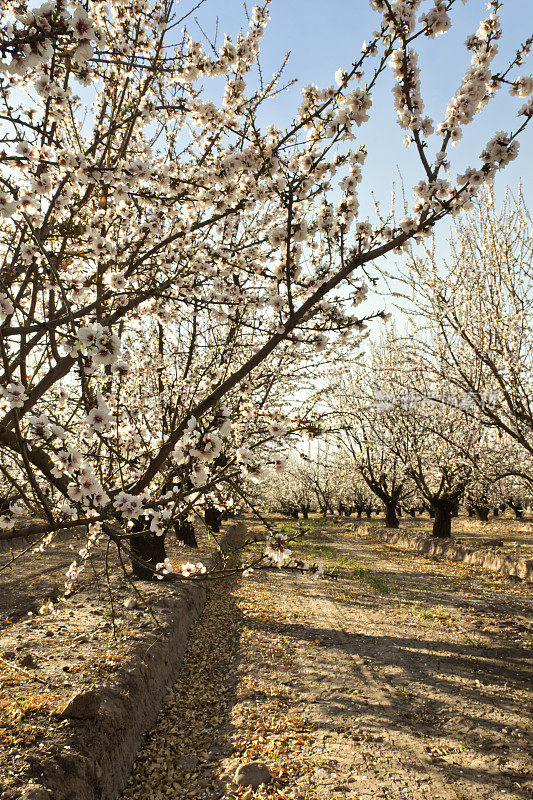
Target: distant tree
355 400
476 310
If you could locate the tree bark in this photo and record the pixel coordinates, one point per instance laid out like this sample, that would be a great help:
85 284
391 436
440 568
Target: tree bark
185 532
442 524
147 547
213 518
517 508
391 520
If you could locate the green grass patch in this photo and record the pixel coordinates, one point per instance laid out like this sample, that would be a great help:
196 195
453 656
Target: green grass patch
373 579
286 528
309 550
315 523
422 612
329 554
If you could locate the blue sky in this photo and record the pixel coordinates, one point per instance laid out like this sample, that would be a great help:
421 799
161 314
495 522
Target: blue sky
323 35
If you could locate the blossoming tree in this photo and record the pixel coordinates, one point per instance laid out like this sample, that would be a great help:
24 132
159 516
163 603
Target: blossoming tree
477 310
357 401
160 250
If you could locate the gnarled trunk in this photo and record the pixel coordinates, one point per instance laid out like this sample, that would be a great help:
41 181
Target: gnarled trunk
442 524
185 532
517 508
148 548
391 520
213 518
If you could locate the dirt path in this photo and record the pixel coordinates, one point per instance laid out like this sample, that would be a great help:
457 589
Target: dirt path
405 678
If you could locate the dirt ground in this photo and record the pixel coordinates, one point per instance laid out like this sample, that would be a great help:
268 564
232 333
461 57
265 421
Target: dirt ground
108 635
403 678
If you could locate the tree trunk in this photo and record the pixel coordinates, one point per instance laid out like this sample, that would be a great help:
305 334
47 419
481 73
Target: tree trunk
482 513
185 533
213 518
442 525
305 512
148 547
496 512
391 520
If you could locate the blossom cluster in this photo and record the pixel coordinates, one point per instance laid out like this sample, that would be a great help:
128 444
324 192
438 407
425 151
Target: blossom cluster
276 552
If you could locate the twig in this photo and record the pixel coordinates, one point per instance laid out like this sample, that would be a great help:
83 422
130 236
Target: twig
25 671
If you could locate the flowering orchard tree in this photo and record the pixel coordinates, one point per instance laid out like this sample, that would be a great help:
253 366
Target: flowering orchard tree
448 454
356 399
476 308
160 249
350 493
292 492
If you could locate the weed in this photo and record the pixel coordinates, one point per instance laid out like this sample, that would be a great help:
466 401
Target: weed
373 579
428 613
317 551
476 641
326 553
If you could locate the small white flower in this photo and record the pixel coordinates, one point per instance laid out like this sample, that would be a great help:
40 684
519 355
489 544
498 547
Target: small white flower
8 205
189 569
6 307
280 464
82 25
88 335
15 394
